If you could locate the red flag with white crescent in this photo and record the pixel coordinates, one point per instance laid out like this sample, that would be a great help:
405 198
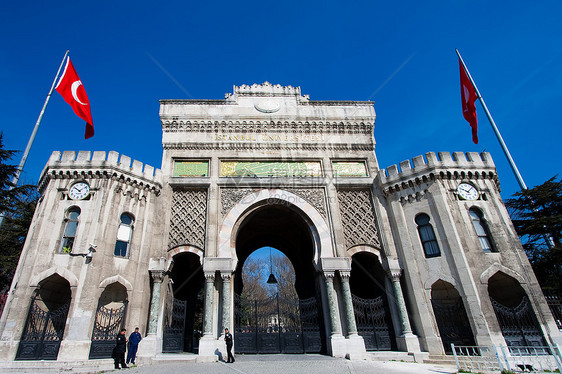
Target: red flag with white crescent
72 91
468 97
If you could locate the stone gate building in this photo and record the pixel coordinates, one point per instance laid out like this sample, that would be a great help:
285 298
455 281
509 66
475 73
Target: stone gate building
408 258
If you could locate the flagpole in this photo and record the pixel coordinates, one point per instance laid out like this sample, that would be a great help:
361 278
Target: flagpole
495 128
17 174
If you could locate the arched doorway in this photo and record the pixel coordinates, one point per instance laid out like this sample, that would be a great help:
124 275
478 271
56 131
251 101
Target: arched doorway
280 320
46 320
183 319
514 312
450 315
110 319
370 303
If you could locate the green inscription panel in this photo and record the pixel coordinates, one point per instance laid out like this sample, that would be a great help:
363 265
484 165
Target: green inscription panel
191 169
349 169
270 169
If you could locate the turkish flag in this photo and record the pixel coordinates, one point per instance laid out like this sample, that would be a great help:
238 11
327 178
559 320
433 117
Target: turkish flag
468 97
72 91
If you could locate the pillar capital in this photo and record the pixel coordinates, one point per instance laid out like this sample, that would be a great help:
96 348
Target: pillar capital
329 275
157 275
394 274
226 276
345 274
209 277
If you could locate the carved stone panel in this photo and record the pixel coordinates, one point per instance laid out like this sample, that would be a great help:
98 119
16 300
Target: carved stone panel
314 196
189 218
358 218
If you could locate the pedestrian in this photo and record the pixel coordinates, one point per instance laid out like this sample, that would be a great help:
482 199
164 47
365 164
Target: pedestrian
228 340
119 350
134 340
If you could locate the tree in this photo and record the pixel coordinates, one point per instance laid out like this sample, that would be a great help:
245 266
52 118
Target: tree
537 216
18 205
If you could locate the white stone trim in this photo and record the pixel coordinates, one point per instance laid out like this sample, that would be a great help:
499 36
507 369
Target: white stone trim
64 273
495 268
318 225
365 248
116 279
185 248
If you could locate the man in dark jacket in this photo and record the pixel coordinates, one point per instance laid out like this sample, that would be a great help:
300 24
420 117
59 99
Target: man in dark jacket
120 348
228 340
134 340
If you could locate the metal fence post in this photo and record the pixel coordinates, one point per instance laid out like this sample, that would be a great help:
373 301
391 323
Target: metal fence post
500 364
505 357
455 354
556 354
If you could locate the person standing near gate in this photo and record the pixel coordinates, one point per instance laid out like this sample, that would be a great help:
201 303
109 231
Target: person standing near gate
119 350
228 340
134 340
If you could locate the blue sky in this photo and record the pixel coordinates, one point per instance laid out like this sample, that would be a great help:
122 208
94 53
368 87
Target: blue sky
398 54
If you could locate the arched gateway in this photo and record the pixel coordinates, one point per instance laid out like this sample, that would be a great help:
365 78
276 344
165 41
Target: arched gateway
382 258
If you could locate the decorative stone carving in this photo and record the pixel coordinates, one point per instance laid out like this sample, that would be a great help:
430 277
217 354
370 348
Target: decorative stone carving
230 197
189 216
358 219
314 196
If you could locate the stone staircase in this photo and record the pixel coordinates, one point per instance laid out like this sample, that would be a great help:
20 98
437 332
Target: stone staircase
440 360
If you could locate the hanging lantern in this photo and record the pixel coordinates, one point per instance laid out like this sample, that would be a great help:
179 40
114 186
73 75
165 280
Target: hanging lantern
271 279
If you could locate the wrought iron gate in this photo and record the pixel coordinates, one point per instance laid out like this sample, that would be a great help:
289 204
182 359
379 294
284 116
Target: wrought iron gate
174 326
452 322
107 325
42 333
370 317
519 324
277 325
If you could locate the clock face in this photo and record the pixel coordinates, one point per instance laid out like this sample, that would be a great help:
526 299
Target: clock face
467 191
79 191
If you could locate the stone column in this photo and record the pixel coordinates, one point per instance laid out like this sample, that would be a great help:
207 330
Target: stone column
332 303
400 303
225 301
208 316
157 278
348 303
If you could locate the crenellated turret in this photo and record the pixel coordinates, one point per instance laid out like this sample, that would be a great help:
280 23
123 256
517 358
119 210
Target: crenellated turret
444 165
100 164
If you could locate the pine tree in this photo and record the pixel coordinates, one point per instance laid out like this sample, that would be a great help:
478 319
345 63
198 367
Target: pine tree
537 216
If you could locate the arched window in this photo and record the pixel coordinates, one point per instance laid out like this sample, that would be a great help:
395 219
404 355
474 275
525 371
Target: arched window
124 235
481 229
427 236
69 233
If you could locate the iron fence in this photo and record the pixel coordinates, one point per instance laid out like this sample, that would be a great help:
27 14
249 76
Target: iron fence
544 359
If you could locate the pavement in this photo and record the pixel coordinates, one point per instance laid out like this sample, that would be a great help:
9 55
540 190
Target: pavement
247 364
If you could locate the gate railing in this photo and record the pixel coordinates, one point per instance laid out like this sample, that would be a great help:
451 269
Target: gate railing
3 299
545 359
554 302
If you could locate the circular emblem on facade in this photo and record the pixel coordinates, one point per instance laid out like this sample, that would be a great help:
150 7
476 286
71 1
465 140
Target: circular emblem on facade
267 106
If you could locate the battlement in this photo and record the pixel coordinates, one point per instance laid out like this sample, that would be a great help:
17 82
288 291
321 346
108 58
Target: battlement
72 162
266 89
464 165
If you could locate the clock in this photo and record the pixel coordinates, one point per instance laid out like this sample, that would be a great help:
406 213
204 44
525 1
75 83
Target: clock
467 191
79 191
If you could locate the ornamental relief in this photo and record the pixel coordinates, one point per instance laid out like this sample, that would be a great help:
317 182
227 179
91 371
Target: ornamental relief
358 218
314 196
269 146
281 127
189 218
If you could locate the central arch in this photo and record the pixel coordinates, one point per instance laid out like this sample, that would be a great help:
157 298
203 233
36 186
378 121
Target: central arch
278 223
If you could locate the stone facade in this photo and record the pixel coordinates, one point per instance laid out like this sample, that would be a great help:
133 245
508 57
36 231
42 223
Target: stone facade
267 166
